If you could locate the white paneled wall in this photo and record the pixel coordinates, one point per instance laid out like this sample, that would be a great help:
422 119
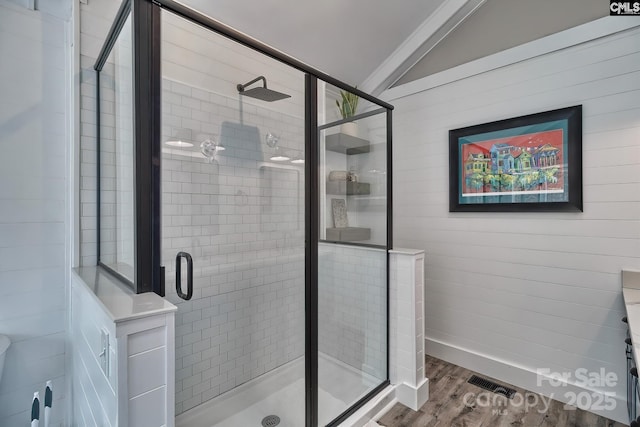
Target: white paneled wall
352 306
34 144
95 392
532 290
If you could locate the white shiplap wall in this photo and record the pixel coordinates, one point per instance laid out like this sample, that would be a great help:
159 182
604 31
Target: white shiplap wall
528 290
33 153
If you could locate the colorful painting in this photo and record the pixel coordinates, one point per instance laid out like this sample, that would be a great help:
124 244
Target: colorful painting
526 163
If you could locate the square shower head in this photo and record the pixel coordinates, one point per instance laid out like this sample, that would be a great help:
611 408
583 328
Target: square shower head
265 94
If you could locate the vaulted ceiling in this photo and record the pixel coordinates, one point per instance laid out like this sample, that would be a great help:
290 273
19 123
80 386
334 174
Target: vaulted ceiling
347 39
502 24
378 43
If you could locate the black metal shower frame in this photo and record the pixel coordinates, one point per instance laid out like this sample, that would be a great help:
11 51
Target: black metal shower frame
148 271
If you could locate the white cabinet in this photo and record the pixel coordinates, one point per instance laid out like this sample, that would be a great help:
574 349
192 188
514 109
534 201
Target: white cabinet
123 354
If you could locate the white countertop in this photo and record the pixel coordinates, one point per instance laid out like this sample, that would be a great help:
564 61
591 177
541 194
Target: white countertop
631 296
406 251
120 302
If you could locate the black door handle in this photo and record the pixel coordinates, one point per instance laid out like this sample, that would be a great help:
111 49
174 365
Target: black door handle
189 293
162 282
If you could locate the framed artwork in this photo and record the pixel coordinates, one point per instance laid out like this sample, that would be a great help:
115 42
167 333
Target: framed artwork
527 163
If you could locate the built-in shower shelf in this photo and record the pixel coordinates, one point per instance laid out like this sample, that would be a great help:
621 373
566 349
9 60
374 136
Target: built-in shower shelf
346 144
348 188
348 234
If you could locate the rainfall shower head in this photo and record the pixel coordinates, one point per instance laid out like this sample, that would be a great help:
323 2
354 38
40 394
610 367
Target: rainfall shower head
261 93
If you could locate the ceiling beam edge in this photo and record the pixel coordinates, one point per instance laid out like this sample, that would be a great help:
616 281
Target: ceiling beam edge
434 29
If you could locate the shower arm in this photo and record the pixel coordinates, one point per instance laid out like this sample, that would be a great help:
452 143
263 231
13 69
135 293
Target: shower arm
242 87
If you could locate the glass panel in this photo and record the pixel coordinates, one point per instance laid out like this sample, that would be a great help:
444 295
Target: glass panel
352 325
116 157
353 181
352 276
233 197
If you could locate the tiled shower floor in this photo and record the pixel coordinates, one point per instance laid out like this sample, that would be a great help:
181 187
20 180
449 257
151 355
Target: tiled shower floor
281 392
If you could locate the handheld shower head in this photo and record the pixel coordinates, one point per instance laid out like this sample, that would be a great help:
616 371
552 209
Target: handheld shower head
261 93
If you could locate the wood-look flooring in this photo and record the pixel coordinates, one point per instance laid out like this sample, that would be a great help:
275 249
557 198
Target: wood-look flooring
446 406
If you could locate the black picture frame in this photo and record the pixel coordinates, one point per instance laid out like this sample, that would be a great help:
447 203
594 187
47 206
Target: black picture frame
530 163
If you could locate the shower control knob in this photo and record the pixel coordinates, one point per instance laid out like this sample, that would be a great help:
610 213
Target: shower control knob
208 149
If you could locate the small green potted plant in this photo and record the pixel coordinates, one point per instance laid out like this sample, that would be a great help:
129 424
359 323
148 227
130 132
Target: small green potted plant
348 108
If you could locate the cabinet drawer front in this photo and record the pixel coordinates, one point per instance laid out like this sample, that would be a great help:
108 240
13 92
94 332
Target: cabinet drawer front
146 340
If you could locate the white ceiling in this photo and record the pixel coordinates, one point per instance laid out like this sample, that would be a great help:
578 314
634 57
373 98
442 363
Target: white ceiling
347 39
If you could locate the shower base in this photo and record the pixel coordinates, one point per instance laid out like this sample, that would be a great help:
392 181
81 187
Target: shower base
281 392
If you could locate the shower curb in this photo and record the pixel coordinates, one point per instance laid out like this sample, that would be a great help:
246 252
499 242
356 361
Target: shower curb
374 409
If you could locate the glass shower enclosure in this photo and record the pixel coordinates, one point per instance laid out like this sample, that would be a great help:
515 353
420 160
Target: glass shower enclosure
231 184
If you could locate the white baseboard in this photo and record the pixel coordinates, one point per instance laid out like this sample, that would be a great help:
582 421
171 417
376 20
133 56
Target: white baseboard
523 377
413 397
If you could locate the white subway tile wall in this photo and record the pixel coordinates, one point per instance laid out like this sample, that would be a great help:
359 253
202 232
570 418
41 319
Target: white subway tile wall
95 20
241 217
352 306
189 54
116 157
88 162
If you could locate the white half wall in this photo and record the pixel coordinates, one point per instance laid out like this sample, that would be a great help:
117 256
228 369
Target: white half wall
34 150
530 290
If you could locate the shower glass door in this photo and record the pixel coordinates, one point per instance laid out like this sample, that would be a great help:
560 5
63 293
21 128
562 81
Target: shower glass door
233 227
